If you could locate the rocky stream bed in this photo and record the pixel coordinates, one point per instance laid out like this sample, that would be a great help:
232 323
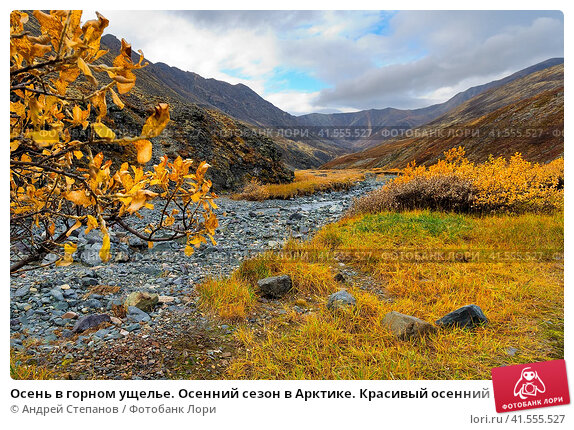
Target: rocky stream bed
47 302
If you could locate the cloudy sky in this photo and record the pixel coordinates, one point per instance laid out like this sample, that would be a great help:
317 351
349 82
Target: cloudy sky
340 61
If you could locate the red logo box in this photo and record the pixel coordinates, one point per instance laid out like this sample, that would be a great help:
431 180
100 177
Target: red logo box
530 386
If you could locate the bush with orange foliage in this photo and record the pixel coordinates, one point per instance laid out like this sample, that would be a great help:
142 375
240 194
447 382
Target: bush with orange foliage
457 184
59 182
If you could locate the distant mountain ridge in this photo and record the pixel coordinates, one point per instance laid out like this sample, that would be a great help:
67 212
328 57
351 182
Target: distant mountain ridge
244 104
408 118
523 115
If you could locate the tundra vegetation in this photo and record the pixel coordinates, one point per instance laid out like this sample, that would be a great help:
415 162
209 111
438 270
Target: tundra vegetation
306 182
500 221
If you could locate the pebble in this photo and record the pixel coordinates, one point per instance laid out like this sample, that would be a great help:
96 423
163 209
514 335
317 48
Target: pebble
70 315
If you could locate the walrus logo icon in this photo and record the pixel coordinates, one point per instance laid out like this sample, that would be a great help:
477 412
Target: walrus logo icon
529 384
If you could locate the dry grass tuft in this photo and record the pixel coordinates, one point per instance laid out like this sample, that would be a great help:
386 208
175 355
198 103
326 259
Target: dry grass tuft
22 367
309 278
229 298
253 191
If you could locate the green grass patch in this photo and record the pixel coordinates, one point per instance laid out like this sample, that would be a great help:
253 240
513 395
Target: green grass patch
415 225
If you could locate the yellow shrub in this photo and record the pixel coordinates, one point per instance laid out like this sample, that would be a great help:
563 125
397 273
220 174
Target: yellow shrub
455 183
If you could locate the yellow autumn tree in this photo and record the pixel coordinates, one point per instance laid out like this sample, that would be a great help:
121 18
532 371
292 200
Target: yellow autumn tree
59 90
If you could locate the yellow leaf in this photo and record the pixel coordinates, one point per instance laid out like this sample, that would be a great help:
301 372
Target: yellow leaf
14 145
92 224
64 261
136 203
123 80
86 71
211 224
70 248
77 225
103 131
45 137
93 31
169 220
196 241
125 84
79 197
202 169
105 249
144 149
79 116
189 250
150 245
67 76
99 101
52 229
78 154
116 99
98 159
155 124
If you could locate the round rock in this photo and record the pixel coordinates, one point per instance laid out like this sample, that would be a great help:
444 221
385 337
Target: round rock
340 299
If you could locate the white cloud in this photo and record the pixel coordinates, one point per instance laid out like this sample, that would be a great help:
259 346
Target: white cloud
294 102
419 57
467 48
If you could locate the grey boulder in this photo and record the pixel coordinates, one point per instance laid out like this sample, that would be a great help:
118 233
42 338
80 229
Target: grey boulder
340 299
406 326
468 316
275 287
137 315
90 321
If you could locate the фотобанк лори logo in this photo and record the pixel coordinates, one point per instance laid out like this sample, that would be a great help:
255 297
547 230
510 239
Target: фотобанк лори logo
529 386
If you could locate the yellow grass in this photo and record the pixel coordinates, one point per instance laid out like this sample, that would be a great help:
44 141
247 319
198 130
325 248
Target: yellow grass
229 298
22 368
306 182
308 278
522 299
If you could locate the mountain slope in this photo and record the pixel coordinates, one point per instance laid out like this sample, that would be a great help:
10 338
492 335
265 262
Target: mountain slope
235 153
408 118
237 101
525 115
244 104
